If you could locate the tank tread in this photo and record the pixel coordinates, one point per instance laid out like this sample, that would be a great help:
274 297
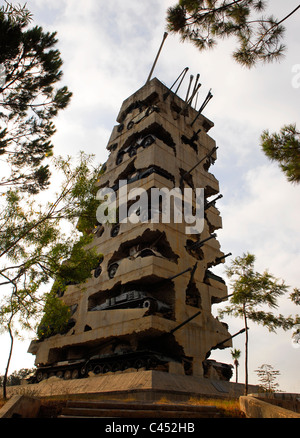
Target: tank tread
102 364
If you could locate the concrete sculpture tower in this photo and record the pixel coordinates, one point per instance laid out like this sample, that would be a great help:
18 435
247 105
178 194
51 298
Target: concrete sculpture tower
153 276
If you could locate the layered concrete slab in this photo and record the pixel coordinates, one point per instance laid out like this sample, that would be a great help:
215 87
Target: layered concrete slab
153 146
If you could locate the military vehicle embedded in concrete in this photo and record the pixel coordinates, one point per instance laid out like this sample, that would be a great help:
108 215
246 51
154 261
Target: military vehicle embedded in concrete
133 299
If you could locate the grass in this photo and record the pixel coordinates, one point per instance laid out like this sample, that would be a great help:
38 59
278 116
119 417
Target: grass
229 407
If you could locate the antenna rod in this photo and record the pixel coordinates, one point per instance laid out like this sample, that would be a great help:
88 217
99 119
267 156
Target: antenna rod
157 56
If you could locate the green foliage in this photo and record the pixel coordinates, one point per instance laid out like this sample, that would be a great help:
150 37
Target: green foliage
285 149
235 354
55 319
202 22
29 99
33 248
15 14
253 293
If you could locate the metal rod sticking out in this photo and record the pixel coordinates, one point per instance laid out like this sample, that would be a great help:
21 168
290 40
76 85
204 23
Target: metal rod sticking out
184 72
179 85
189 87
184 322
157 56
207 99
208 155
195 87
189 101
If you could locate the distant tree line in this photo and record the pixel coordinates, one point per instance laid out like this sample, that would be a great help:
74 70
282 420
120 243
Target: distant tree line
16 377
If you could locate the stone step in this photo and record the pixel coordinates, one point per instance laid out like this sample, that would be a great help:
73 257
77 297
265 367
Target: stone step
100 409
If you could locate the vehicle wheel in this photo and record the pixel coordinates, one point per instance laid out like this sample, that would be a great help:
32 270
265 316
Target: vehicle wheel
97 272
151 362
106 368
98 369
139 363
112 270
59 374
115 230
130 125
67 375
116 366
132 151
75 374
119 158
39 376
120 127
83 370
147 141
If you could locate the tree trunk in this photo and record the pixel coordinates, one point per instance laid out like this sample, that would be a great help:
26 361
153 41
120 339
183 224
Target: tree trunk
236 371
246 350
8 362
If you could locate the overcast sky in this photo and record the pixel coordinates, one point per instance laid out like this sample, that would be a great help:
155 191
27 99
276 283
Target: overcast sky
108 48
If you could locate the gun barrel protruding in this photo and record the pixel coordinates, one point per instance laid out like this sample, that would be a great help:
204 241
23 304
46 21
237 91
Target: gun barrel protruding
219 259
208 155
192 270
184 322
182 76
219 345
201 242
206 100
210 203
157 56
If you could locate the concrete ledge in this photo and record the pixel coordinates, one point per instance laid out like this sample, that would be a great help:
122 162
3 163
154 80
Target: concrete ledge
150 383
20 406
255 408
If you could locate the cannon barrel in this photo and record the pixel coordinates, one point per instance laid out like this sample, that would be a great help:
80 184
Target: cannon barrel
201 242
219 345
208 155
218 259
210 203
184 322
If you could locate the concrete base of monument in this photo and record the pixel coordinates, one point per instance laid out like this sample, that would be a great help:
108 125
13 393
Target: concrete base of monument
146 385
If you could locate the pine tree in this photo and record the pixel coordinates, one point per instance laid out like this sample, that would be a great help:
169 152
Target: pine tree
285 149
29 99
259 39
203 22
267 376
